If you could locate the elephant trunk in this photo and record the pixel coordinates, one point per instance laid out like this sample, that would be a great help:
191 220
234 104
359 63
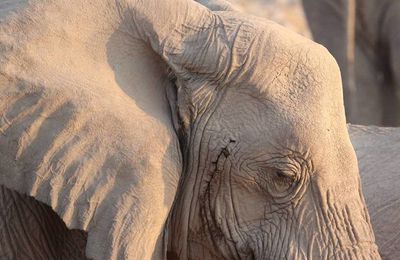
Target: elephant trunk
330 223
343 226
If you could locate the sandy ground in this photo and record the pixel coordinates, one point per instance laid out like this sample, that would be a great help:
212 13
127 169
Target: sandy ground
289 13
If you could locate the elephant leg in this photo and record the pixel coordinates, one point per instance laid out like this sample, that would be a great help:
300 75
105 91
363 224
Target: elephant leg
370 90
31 230
391 35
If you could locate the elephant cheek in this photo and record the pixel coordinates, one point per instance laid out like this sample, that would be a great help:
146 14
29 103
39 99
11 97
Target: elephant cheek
317 227
338 227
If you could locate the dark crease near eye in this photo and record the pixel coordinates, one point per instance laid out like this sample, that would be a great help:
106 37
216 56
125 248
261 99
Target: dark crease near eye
285 174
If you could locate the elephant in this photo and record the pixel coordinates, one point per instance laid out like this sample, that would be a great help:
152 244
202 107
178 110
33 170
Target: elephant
363 36
166 130
377 150
30 229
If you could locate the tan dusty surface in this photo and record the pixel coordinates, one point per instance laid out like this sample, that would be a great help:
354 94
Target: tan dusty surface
287 13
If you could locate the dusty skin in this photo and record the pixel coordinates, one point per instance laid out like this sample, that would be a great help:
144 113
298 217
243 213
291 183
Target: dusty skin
378 159
164 129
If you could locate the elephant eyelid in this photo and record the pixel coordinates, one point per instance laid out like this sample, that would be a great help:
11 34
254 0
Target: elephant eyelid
275 172
285 174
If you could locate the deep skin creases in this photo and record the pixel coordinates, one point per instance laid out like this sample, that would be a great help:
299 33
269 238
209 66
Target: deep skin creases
252 188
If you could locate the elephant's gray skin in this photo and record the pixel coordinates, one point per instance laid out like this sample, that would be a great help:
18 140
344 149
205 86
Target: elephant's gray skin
379 162
378 155
164 129
364 37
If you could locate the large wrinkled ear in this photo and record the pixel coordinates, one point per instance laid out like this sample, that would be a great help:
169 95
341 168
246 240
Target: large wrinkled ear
197 44
203 49
85 126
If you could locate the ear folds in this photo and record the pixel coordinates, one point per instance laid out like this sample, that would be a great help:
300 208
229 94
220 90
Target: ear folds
203 49
102 171
179 111
183 34
80 134
195 42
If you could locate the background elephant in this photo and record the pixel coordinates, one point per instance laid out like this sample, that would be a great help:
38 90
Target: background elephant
378 155
363 36
164 129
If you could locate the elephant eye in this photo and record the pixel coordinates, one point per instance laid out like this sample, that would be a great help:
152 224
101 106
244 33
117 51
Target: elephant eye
284 177
277 181
281 181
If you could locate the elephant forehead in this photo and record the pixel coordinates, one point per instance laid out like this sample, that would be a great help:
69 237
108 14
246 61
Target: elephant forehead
262 121
311 79
305 90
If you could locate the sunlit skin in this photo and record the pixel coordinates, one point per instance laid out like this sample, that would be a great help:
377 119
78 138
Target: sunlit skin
167 130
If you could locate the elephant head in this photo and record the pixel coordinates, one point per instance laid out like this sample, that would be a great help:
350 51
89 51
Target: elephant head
161 127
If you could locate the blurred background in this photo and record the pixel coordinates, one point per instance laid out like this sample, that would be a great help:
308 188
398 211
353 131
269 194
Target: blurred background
363 36
286 12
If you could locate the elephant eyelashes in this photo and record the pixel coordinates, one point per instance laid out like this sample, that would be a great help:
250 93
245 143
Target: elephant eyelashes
283 180
277 181
284 177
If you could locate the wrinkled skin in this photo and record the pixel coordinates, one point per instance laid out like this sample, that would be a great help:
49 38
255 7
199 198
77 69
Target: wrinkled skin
373 146
363 35
248 156
32 230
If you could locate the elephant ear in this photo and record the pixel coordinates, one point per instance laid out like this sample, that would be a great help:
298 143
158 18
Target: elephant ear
85 125
205 50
